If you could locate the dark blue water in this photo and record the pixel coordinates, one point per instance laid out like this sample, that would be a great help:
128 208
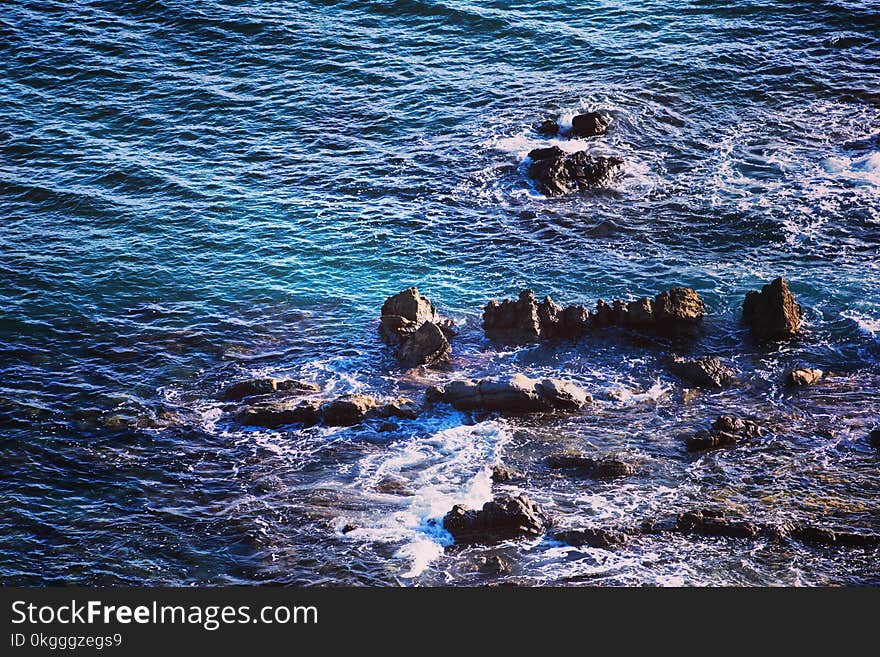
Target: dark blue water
197 192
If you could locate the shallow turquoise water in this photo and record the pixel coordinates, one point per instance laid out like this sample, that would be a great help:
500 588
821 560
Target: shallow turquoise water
193 193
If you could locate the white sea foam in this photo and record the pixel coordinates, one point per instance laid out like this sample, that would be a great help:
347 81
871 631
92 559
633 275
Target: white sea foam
652 395
865 323
451 466
865 169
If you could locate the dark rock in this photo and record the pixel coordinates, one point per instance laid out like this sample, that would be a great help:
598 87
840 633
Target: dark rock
396 330
266 386
402 407
427 346
548 128
597 538
726 430
515 393
591 124
392 485
348 527
737 425
713 523
705 372
773 313
572 172
274 414
606 468
804 376
410 322
347 411
874 437
410 305
513 320
387 427
493 564
570 462
504 517
612 468
680 310
503 473
545 153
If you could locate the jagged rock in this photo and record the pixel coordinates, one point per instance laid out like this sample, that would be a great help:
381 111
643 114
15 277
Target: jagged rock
266 386
597 538
548 128
427 346
493 564
713 523
773 313
504 517
705 372
570 462
874 437
612 468
726 430
513 320
503 473
606 468
392 485
347 411
274 414
411 323
804 376
514 393
545 153
591 124
402 407
565 173
680 310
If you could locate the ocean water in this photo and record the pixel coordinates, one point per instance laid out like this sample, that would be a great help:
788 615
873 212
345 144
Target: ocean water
192 193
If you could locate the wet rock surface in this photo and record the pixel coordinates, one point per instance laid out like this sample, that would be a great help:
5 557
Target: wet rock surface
705 372
421 336
515 394
266 386
609 467
804 376
773 313
502 474
726 430
504 517
679 311
559 173
597 538
590 124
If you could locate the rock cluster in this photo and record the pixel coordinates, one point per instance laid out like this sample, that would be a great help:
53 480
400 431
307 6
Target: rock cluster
515 393
604 468
410 323
726 430
679 311
804 376
705 372
504 517
344 411
556 172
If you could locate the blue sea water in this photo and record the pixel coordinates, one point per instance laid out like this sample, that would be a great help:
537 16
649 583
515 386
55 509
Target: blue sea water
193 193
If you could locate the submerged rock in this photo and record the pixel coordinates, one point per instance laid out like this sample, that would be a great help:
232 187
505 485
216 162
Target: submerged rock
804 376
556 172
591 124
597 538
411 323
726 430
278 413
547 127
266 386
705 372
605 468
503 473
504 517
515 393
493 565
714 523
874 437
773 313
